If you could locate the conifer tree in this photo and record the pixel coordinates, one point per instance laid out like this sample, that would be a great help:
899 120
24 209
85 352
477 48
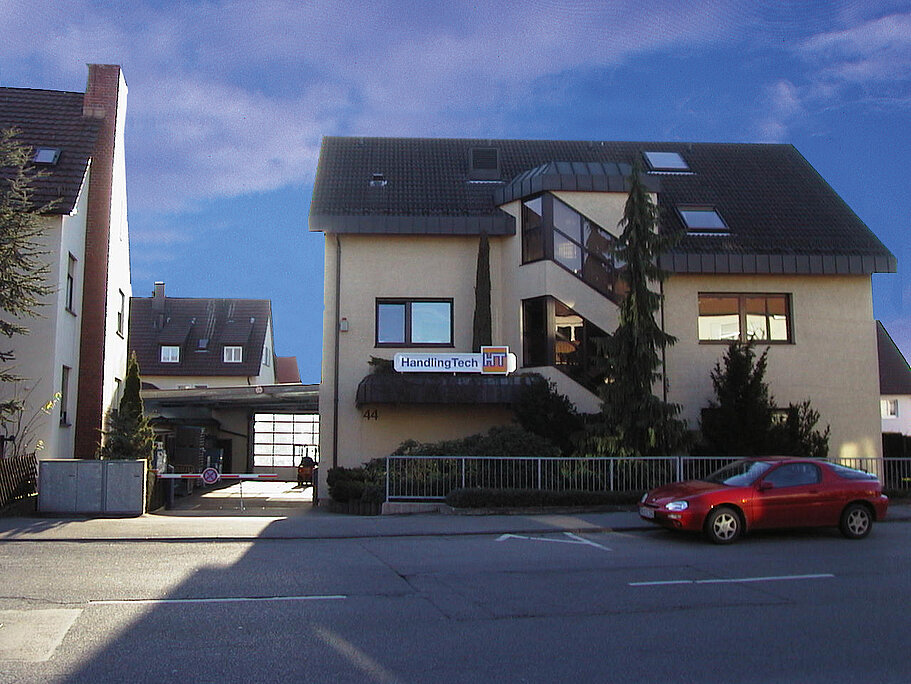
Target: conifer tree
482 332
129 434
23 269
632 417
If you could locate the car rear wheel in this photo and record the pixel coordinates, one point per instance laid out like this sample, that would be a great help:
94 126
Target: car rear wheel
856 521
723 525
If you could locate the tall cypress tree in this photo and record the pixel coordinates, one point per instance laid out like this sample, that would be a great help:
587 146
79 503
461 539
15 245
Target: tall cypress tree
632 417
482 332
129 434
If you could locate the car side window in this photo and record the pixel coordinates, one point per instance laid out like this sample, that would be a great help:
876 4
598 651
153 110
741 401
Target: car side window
794 475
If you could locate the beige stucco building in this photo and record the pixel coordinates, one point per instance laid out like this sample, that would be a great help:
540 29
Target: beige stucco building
770 253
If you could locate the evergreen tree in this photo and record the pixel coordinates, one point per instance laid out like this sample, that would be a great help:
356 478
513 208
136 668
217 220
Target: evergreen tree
129 435
738 421
632 417
482 329
23 270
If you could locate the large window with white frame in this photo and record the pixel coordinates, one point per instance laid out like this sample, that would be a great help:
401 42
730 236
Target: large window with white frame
233 354
170 353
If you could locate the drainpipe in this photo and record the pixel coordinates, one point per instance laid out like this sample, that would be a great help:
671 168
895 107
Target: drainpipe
338 284
663 348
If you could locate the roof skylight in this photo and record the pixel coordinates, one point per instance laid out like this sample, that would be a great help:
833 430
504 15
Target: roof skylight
703 221
665 161
46 155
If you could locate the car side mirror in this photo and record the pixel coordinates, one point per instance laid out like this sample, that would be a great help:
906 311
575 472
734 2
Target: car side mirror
764 485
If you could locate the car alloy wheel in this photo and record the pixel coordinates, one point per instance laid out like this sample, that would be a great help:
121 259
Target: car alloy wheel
723 525
856 521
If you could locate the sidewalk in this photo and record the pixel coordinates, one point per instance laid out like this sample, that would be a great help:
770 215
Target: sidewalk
309 523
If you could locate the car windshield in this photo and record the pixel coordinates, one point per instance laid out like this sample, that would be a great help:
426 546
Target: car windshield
739 473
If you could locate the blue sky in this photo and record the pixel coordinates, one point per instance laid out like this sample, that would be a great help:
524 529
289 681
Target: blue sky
228 102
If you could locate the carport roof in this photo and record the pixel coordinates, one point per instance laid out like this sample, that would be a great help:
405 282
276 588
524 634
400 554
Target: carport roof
263 398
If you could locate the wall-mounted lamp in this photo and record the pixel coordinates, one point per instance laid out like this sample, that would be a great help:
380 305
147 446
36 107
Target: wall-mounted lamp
343 324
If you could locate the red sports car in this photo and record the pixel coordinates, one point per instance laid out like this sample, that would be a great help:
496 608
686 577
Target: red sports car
765 493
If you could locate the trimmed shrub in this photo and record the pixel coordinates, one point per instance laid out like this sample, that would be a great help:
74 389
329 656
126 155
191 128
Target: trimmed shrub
534 498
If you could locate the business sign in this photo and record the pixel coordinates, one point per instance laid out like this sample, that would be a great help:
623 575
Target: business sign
490 361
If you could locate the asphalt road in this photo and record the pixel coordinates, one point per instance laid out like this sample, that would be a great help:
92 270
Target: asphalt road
607 607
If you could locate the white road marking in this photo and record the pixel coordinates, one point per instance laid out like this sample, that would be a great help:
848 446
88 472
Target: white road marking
227 599
733 580
573 539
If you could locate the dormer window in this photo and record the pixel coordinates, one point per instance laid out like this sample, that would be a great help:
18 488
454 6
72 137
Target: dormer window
703 221
668 162
234 354
46 155
170 353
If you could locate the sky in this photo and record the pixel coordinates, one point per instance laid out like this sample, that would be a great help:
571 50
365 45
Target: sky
228 102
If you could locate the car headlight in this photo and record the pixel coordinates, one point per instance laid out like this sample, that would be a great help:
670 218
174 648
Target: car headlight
677 506
644 497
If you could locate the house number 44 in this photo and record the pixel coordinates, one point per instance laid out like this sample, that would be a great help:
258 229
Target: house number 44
370 415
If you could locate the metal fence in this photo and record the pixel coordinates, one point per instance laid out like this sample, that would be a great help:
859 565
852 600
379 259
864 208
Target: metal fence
433 477
18 478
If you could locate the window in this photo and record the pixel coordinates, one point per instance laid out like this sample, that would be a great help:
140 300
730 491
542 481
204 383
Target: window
267 357
413 322
794 475
121 313
170 353
234 354
703 221
553 230
46 155
665 161
888 408
745 317
555 335
70 284
64 396
532 231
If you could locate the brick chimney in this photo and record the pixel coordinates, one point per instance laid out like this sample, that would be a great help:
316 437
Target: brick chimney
103 93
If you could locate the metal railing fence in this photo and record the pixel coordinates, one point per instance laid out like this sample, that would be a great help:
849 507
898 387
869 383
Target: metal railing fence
433 477
18 478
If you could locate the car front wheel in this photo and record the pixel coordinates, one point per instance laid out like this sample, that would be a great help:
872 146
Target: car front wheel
723 525
856 521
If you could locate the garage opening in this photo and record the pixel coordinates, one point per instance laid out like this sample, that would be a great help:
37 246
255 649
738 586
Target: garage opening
282 441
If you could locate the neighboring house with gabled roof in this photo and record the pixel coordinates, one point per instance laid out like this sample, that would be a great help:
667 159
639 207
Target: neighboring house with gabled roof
186 343
894 384
77 347
770 253
212 382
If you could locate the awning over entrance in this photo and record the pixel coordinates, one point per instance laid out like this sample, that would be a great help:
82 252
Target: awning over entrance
433 388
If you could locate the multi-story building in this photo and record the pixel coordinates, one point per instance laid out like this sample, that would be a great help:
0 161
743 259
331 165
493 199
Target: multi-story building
76 349
770 253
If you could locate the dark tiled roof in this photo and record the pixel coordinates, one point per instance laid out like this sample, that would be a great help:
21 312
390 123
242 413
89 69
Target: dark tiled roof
894 373
51 118
779 210
185 322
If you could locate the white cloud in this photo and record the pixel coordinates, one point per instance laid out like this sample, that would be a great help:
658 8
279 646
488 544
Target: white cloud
230 98
874 57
